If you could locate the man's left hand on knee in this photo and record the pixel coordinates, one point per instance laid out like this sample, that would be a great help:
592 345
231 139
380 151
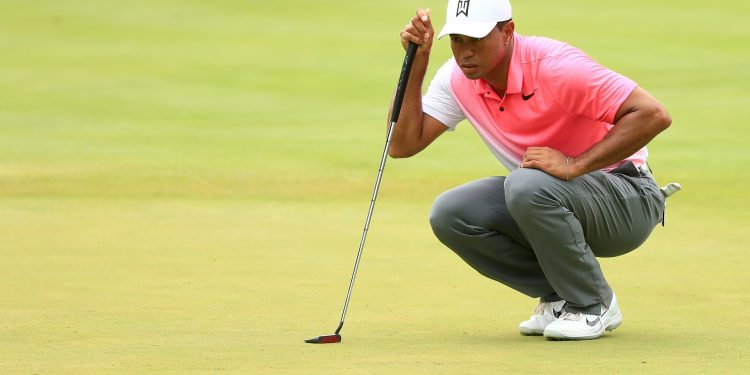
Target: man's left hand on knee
549 160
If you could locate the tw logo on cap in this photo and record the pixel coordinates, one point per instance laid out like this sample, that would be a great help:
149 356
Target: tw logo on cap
462 8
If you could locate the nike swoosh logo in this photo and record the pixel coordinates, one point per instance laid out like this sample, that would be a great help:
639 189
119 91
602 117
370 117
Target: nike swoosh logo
592 323
527 97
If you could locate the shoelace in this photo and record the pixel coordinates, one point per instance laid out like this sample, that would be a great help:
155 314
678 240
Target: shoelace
540 308
545 307
572 316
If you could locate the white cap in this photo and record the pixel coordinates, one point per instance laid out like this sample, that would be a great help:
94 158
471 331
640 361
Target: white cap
474 18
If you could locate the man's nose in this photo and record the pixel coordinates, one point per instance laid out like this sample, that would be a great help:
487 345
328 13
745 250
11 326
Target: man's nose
467 53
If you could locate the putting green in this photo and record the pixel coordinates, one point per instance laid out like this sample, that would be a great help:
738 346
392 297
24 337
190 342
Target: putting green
183 186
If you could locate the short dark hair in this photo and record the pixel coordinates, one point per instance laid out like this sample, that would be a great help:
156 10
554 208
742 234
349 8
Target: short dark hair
501 24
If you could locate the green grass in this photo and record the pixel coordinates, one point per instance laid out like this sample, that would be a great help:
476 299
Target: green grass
183 186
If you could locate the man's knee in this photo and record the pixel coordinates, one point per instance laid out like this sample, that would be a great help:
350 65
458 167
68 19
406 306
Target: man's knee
468 209
443 213
526 187
453 211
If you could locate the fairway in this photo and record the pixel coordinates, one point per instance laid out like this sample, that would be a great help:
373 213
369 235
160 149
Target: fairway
183 186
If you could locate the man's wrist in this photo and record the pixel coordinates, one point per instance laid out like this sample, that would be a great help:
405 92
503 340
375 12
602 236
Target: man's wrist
576 168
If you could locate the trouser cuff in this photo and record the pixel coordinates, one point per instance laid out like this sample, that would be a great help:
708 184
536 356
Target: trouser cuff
590 310
550 298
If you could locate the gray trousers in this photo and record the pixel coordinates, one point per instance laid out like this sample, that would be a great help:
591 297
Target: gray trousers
541 235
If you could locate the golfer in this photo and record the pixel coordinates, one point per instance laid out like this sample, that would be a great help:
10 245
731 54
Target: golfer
573 135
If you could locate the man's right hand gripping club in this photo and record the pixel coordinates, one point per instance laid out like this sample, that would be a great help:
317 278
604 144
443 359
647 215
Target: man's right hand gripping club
415 130
419 30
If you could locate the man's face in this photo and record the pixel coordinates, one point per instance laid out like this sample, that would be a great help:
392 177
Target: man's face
479 57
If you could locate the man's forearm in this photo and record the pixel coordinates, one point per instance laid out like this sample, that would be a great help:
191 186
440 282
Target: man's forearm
632 132
407 134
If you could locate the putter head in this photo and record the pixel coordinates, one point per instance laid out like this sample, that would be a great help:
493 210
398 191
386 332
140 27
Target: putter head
328 339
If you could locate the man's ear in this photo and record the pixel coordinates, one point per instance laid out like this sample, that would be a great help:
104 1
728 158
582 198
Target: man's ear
508 29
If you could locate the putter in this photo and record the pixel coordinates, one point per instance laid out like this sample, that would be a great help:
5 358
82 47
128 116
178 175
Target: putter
397 101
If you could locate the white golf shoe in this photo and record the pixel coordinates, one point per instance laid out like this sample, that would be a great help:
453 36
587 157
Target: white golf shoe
544 314
579 326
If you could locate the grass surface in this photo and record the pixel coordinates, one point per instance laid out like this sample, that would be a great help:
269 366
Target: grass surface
183 186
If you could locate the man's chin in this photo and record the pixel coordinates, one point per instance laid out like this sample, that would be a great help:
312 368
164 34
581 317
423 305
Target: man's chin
473 76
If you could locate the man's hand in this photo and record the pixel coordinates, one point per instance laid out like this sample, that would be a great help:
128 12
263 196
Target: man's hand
415 130
419 30
549 160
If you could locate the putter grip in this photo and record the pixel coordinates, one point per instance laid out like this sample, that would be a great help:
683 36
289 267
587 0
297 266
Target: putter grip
411 51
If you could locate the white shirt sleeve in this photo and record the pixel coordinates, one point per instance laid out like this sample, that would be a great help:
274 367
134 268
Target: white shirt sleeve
439 102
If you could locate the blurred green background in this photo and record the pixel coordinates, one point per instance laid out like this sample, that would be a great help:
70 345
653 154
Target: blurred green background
183 186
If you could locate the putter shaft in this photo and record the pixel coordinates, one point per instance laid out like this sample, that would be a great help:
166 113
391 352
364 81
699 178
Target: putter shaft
397 101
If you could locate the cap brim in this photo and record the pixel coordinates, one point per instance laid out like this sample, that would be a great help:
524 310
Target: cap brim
474 29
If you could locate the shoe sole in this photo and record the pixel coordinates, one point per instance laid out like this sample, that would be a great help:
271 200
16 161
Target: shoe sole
563 337
616 322
531 332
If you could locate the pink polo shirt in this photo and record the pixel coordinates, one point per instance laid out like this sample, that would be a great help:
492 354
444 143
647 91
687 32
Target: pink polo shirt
557 97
